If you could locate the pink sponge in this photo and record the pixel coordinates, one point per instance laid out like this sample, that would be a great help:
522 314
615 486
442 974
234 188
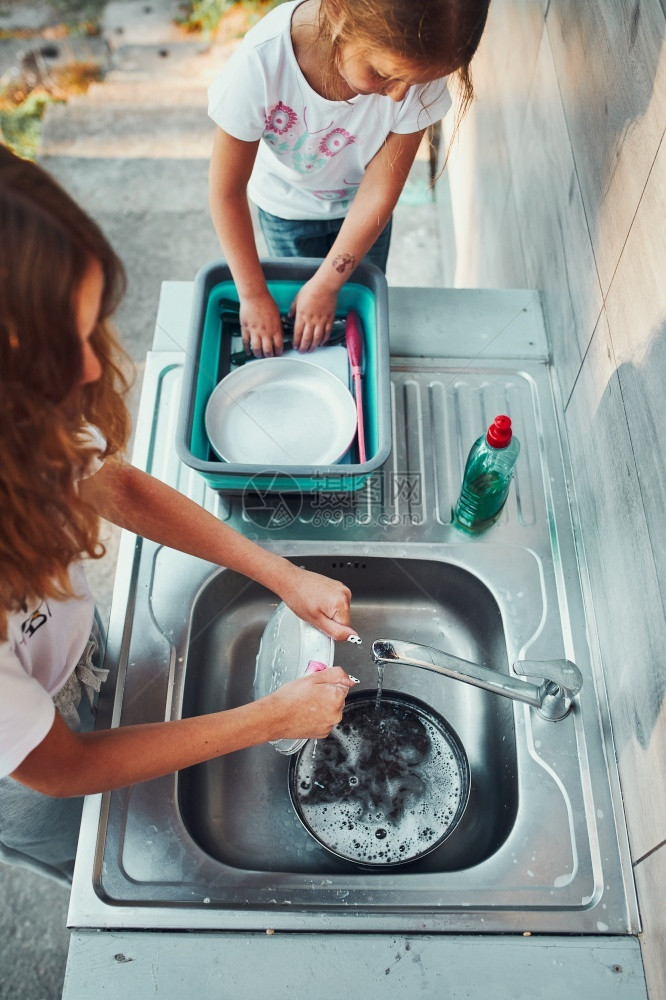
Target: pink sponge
314 666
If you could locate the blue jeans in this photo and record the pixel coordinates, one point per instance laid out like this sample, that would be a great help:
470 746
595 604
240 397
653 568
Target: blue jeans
314 238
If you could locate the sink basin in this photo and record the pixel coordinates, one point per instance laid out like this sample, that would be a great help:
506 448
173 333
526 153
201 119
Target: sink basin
237 807
225 834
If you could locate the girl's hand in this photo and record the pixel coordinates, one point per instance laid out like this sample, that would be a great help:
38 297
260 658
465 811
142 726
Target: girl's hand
309 707
318 600
314 311
261 326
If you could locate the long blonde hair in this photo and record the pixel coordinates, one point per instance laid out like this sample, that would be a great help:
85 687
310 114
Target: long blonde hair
46 247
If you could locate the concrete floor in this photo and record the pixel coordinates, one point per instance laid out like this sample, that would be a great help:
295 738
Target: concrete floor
33 936
154 211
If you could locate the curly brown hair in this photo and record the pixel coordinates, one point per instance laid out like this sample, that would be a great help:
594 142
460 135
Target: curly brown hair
47 245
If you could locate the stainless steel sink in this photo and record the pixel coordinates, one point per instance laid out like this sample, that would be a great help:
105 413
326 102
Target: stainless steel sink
232 806
541 847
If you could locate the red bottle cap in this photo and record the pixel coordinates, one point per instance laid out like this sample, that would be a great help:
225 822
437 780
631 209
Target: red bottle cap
499 432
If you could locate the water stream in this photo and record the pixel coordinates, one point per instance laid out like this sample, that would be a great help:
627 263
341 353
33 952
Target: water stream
380 683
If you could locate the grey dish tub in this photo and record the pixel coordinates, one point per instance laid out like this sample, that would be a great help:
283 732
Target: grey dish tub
207 361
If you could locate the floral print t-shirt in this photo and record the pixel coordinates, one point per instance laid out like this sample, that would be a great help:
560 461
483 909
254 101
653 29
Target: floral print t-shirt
313 152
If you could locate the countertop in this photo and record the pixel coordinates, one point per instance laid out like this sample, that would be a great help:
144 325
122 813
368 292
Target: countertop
464 326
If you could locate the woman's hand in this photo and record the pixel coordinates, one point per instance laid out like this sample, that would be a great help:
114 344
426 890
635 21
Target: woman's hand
309 707
314 311
261 326
66 763
318 600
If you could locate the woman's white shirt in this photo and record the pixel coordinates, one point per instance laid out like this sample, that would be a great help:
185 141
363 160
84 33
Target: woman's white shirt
44 643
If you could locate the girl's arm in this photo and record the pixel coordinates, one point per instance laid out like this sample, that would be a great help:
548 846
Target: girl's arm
230 168
67 763
145 505
370 210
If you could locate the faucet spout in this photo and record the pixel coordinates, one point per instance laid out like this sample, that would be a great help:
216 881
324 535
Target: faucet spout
561 680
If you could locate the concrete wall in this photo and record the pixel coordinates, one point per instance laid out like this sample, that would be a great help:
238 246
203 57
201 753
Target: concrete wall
558 182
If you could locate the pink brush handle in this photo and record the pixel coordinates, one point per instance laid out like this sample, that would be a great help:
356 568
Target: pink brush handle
354 340
356 372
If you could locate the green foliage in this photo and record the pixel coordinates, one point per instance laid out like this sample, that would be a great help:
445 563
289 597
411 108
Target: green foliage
205 15
20 126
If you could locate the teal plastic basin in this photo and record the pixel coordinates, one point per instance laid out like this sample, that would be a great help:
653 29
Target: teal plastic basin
367 294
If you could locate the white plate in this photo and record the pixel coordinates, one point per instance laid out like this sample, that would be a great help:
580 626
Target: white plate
280 411
287 646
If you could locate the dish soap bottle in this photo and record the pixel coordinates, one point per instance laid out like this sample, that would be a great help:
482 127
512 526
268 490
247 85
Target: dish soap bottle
487 476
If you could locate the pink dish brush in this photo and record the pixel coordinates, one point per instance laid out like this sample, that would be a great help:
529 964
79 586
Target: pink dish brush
354 338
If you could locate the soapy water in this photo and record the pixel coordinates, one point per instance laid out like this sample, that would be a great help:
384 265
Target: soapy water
384 786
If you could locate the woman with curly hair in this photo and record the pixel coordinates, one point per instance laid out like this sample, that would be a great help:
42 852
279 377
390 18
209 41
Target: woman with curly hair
63 426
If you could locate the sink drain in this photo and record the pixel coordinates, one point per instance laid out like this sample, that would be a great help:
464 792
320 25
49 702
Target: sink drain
388 784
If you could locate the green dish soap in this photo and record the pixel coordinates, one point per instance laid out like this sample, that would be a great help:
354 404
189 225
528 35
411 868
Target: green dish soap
487 476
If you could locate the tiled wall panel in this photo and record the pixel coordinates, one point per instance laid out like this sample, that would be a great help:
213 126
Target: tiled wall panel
572 104
611 66
624 587
488 250
650 880
513 35
556 242
636 309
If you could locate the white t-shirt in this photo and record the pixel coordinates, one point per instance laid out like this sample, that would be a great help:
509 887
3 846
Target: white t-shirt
43 646
313 152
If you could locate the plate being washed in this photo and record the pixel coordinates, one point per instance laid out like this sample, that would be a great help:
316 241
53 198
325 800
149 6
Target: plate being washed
281 411
287 646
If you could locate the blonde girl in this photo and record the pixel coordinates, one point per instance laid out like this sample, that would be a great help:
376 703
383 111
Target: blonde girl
63 425
320 112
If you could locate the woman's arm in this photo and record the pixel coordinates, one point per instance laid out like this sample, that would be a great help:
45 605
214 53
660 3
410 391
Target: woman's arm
230 168
67 763
370 210
145 505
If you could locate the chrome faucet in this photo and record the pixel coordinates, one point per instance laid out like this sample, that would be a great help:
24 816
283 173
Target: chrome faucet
561 679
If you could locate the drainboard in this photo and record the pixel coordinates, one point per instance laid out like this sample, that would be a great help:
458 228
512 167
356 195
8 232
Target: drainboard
238 807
